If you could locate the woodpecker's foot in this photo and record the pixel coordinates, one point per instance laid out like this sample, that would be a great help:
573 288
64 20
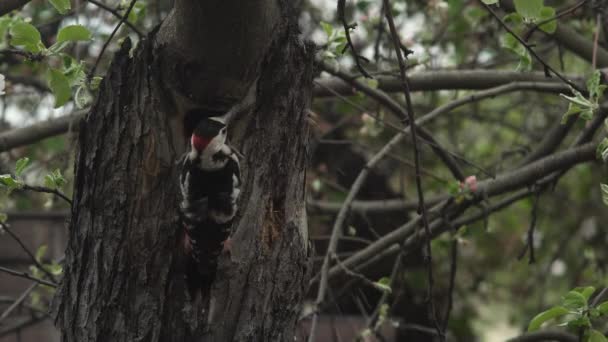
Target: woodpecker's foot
227 245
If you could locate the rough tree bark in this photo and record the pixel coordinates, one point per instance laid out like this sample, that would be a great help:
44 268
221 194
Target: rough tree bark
123 279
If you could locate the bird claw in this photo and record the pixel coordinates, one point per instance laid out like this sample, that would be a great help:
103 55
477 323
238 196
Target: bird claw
227 245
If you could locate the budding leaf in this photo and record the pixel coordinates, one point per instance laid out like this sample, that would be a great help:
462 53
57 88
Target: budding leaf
544 316
547 13
530 9
20 165
26 35
574 300
384 285
596 336
62 6
60 86
604 188
41 252
9 182
603 308
602 150
73 33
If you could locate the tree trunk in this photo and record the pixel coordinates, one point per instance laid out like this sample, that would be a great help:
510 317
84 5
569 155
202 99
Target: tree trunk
123 271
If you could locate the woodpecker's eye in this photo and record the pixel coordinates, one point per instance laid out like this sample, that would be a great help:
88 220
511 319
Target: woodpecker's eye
223 131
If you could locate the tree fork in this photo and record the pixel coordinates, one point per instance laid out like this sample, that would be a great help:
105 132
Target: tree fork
123 280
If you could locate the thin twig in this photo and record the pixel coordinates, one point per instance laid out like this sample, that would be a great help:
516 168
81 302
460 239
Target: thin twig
22 325
453 270
411 119
36 57
356 275
347 28
393 280
532 52
27 251
27 276
565 12
48 191
530 240
18 301
599 297
542 171
117 15
105 45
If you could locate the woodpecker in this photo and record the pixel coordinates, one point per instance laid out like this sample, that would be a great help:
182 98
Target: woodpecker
210 185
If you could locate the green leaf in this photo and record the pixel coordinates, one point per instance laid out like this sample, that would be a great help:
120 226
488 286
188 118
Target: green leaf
57 48
602 150
384 285
596 336
41 252
545 14
596 89
574 300
513 18
554 312
603 308
138 12
327 28
74 71
3 218
490 2
83 97
55 269
372 83
20 165
578 99
60 86
95 82
582 321
604 188
586 291
5 23
9 182
59 180
26 35
62 6
578 104
73 33
586 115
529 8
509 42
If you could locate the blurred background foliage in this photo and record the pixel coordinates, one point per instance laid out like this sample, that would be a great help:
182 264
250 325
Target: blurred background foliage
497 290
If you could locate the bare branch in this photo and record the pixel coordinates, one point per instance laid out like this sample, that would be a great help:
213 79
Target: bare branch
509 181
27 251
117 15
42 130
449 80
105 45
573 41
413 127
18 301
48 191
27 276
375 206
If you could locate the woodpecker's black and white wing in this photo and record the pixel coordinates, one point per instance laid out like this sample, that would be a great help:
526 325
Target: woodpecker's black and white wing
194 206
224 202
